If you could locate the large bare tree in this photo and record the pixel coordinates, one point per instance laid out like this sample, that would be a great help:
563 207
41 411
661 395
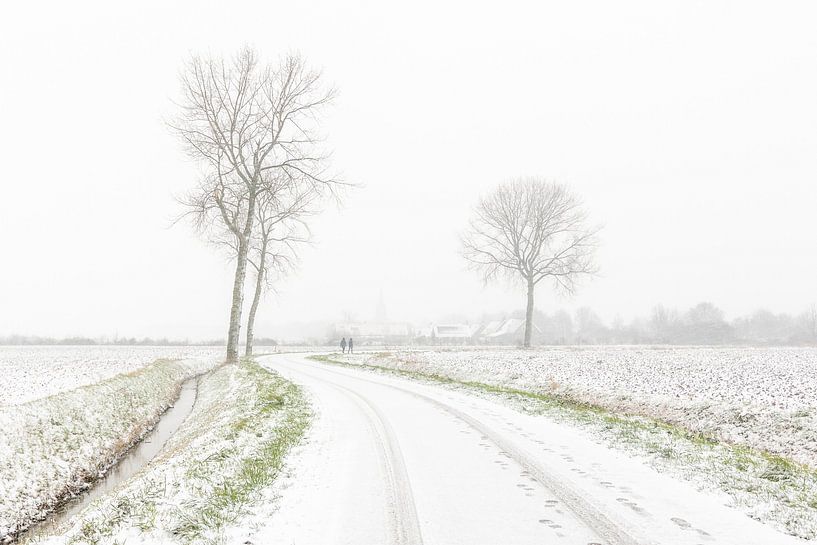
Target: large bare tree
242 120
531 229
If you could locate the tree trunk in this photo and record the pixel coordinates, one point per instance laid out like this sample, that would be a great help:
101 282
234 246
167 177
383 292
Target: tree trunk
529 315
259 287
234 331
238 301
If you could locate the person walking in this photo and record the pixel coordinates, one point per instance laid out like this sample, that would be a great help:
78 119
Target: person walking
343 344
351 344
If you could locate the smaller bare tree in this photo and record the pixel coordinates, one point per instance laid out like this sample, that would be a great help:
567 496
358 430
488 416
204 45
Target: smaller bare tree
808 321
531 229
281 228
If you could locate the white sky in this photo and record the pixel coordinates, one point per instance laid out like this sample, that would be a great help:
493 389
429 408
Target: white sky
690 128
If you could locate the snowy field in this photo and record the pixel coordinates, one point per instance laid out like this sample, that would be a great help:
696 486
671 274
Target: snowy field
765 398
34 372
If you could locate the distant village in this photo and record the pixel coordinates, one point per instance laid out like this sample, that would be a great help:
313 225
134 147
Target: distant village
381 331
497 332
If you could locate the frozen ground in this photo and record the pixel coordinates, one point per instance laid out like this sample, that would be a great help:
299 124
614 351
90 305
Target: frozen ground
397 461
766 487
409 460
33 372
765 398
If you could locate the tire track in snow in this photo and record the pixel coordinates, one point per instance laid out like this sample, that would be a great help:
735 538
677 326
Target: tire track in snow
584 510
596 520
403 521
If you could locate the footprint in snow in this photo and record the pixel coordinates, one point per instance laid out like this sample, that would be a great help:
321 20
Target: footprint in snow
687 526
632 505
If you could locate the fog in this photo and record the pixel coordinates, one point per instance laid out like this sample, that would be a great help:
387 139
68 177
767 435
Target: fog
689 129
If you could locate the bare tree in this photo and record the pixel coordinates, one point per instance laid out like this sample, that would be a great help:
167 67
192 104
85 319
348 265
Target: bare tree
664 324
589 326
281 227
808 321
241 120
531 229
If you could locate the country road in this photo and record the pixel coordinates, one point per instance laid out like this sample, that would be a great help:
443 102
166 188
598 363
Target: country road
390 461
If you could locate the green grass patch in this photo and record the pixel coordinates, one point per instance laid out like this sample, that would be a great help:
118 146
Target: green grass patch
258 467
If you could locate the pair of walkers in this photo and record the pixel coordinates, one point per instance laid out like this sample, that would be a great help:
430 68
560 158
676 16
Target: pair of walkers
344 344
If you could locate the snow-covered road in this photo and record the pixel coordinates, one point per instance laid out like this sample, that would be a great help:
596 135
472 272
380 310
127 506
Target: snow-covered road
394 461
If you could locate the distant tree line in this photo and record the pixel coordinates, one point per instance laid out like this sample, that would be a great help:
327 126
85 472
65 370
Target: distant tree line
703 324
35 340
31 340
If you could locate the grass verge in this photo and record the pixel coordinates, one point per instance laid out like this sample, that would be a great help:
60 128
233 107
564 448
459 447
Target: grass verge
55 447
212 473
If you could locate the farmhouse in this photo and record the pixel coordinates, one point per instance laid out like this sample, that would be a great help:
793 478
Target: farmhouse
451 333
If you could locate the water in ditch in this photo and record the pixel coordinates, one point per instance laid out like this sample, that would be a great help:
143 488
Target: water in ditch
133 461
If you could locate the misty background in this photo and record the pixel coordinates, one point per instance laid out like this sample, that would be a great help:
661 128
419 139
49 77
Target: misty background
689 129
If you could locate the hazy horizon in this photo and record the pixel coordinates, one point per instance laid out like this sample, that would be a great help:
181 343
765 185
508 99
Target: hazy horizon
695 148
